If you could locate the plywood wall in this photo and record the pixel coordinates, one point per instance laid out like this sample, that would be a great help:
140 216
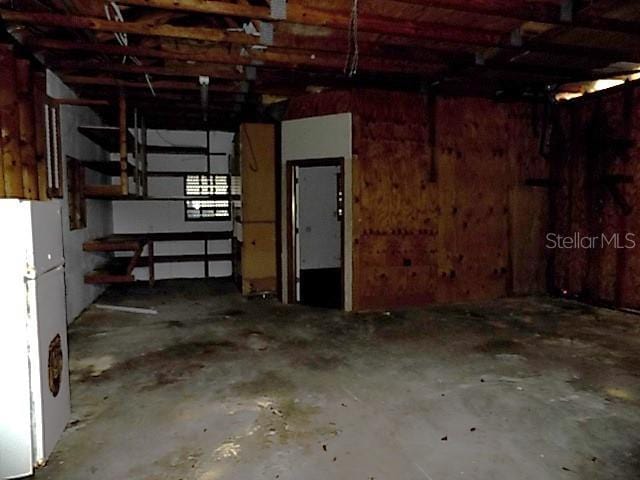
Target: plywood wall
258 163
22 165
598 138
441 210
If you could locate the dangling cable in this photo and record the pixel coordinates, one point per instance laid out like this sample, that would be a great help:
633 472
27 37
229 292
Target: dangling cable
123 39
351 65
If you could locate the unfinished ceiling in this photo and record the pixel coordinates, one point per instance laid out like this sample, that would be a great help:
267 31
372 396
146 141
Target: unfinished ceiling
157 50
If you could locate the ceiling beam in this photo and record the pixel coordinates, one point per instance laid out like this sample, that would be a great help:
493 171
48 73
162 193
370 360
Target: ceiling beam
538 11
281 39
435 31
218 72
552 72
138 27
236 87
305 15
258 58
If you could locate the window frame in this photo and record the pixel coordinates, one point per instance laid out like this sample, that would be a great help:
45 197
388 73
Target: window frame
205 198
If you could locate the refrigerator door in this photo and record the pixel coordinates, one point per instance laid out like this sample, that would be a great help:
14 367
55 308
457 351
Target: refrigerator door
35 243
48 351
16 457
46 231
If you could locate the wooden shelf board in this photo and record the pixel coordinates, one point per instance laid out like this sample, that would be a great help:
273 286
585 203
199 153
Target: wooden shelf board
113 271
165 237
214 257
131 197
113 245
101 191
174 173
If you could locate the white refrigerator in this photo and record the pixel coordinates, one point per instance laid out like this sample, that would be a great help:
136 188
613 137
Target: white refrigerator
34 373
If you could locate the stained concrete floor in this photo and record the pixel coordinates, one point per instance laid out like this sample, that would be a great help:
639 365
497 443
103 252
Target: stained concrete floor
220 387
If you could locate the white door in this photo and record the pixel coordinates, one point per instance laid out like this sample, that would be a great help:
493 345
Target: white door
46 232
16 458
318 222
49 382
316 138
35 243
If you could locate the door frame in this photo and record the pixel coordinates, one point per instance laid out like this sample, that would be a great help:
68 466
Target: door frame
292 237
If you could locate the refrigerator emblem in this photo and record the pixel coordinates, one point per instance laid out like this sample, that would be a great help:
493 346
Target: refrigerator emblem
55 365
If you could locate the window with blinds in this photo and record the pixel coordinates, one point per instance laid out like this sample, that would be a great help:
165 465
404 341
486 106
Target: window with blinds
199 185
207 209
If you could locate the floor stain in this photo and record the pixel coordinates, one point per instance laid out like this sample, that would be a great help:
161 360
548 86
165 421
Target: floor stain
500 345
263 384
167 365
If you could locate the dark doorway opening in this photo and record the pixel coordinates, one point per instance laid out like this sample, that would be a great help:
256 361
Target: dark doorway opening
316 232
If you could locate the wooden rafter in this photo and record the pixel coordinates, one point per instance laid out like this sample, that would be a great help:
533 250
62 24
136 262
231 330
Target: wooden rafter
435 31
470 45
272 56
193 69
541 12
234 87
208 34
281 40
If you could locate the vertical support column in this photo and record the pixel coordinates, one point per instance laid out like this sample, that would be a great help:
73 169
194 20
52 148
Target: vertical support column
152 268
136 152
2 188
11 163
124 176
27 134
39 98
143 146
206 258
623 223
208 152
55 164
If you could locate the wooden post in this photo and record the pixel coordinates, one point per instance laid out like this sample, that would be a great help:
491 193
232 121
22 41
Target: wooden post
57 159
136 152
10 125
27 132
2 189
623 223
206 258
152 269
143 140
39 98
124 177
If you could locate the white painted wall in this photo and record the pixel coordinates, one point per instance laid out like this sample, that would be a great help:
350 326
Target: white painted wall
168 216
77 263
328 136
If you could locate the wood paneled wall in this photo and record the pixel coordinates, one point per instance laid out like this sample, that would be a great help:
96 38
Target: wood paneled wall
23 165
258 163
597 140
441 210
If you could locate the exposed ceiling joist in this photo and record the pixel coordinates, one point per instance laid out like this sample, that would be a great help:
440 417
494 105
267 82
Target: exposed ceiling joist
552 13
435 31
481 46
138 27
216 35
235 87
272 56
220 72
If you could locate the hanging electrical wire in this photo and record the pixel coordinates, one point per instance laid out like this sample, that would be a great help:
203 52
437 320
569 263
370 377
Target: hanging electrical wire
123 39
351 65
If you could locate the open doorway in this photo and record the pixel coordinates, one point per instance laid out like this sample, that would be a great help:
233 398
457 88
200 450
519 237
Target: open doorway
316 265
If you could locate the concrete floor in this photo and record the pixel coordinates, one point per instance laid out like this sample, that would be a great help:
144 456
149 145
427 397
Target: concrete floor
219 387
